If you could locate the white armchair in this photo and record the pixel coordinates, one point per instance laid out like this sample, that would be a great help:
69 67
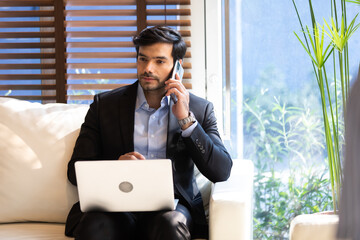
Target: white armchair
230 214
36 142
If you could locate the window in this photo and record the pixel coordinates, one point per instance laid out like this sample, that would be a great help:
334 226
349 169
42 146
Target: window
66 51
24 47
271 88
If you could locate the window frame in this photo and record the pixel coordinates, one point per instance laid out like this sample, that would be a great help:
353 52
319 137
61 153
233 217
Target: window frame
221 58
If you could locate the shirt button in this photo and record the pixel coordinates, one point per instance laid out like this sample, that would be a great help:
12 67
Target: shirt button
152 135
153 117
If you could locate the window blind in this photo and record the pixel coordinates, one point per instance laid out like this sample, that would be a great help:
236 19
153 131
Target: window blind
80 47
31 61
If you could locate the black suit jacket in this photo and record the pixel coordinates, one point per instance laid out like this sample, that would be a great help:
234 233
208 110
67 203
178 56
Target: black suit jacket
107 133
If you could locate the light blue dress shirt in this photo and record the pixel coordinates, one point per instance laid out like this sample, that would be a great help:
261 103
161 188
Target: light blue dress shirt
150 127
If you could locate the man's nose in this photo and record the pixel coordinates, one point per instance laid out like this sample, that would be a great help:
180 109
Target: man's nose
149 68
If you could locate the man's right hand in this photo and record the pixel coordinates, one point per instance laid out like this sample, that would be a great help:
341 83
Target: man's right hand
132 156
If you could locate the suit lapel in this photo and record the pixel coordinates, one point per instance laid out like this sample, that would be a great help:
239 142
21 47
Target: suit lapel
127 116
173 134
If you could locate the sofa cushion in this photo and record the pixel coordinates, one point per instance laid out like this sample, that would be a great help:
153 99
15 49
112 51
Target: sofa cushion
204 186
32 231
36 142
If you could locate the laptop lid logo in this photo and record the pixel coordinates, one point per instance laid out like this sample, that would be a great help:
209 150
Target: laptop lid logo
126 187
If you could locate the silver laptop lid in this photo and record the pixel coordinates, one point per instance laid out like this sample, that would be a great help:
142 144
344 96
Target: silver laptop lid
125 186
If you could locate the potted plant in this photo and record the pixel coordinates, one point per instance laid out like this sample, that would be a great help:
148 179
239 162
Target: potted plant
323 42
320 49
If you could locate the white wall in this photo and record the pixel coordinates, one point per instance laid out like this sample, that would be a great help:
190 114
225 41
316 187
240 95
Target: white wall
197 48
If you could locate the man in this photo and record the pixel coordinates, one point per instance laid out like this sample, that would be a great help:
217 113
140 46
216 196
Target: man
139 122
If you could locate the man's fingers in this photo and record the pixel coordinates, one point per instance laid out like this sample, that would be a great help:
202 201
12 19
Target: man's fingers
178 89
171 83
132 156
138 156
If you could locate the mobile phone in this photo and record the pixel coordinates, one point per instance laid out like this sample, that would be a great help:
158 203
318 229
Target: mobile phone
180 71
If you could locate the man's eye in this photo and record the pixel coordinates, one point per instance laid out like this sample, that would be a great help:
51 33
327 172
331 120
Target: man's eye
142 59
160 61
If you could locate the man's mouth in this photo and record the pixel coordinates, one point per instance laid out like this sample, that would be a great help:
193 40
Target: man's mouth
148 78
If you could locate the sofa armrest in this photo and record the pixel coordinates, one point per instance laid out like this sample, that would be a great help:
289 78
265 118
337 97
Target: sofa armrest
230 210
314 226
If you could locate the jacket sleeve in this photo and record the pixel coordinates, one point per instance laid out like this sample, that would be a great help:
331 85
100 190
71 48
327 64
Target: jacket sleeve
206 148
87 146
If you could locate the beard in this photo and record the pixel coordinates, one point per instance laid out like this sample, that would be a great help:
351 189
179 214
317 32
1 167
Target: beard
154 85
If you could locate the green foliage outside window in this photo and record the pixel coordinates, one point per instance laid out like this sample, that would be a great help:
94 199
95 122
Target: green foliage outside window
284 138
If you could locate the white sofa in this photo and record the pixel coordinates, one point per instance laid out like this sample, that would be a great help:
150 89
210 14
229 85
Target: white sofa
314 226
36 142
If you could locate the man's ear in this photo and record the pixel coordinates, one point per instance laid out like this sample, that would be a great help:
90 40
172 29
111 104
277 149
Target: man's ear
180 61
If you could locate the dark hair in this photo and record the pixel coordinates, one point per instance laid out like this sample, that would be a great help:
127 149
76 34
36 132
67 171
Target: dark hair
156 34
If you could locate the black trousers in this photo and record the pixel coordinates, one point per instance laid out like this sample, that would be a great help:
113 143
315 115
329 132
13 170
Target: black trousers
161 225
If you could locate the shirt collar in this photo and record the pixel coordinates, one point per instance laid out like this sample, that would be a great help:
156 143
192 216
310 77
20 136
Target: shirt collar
142 103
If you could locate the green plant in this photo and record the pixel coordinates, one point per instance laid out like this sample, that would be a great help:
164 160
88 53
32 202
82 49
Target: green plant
332 110
285 140
354 1
278 201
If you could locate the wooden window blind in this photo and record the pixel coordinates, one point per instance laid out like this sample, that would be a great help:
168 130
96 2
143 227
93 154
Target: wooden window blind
69 50
31 61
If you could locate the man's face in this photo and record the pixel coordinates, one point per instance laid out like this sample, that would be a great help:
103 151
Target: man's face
154 65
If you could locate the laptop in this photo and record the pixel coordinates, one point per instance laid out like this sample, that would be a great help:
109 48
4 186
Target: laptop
125 185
